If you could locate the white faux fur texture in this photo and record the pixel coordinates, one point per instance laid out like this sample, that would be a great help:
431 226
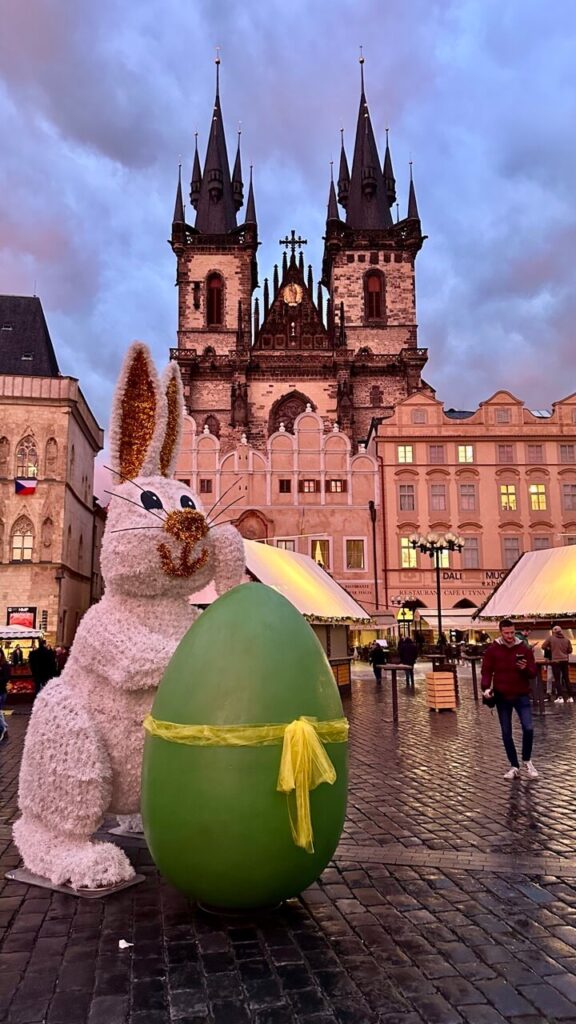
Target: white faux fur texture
83 749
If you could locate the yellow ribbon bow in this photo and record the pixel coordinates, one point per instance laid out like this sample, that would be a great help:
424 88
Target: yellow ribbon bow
304 763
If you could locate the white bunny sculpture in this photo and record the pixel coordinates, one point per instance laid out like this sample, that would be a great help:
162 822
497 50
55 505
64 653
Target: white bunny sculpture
83 750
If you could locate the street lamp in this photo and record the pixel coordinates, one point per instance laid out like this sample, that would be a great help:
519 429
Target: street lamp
434 544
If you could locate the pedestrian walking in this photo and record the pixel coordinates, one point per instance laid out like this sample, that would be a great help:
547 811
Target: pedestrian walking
408 652
43 667
507 667
558 648
4 680
378 657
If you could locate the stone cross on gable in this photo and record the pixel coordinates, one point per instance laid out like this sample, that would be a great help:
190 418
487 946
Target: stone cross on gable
293 242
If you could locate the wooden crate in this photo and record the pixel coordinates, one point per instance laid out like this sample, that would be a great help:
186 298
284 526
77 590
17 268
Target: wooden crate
440 691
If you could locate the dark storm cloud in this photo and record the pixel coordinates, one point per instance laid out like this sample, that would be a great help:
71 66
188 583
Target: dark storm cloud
99 101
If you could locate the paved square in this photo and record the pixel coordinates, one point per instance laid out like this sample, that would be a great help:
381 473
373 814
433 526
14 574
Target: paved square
452 898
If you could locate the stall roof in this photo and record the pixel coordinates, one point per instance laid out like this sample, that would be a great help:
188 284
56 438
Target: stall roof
452 618
298 578
542 585
20 633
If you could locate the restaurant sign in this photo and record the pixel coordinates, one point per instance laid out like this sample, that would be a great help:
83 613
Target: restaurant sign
21 616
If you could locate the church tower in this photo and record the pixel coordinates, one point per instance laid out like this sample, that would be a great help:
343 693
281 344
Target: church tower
216 275
369 271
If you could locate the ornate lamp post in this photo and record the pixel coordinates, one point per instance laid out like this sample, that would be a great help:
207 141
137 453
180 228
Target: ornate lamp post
434 544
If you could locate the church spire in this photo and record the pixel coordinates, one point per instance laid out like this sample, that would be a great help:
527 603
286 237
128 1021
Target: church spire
196 183
237 183
389 179
367 205
343 174
251 205
412 204
332 202
216 213
178 217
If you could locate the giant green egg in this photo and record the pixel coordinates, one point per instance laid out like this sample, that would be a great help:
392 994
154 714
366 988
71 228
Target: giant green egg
215 823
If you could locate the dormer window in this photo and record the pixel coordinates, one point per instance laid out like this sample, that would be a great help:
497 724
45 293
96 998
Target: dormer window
374 295
214 300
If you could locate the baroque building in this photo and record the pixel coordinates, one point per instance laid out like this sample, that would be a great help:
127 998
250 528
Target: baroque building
48 441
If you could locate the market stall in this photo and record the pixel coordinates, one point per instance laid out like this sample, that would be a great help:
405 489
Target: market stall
328 608
23 639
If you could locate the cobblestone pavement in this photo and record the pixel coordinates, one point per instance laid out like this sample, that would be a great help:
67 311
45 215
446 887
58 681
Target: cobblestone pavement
452 898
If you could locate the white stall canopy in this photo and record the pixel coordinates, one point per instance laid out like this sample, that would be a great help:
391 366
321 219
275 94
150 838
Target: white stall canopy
542 585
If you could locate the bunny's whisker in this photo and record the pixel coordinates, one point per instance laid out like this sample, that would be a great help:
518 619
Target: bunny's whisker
127 479
223 510
114 494
221 498
127 528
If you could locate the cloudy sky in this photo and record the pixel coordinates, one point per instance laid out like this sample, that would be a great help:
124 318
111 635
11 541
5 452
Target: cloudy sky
100 100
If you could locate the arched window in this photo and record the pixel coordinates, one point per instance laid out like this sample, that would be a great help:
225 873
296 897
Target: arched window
374 295
27 458
4 455
51 456
22 542
376 395
213 424
214 300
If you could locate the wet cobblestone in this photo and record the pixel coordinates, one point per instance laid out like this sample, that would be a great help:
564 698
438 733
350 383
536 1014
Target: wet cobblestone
452 898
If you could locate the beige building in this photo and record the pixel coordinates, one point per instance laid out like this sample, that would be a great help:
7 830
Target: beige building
48 442
502 477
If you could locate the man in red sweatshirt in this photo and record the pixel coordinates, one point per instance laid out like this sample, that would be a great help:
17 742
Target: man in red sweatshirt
507 667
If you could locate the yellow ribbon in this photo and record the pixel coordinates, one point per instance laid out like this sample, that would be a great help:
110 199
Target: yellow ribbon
304 763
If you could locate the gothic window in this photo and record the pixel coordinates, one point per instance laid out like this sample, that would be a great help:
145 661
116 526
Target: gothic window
51 456
376 396
374 304
214 300
27 458
286 410
22 541
213 424
4 455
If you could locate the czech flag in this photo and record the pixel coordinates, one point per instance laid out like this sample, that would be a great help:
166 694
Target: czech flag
24 486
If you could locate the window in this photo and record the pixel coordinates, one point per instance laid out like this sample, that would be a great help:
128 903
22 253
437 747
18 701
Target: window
438 497
205 487
541 543
444 558
503 416
336 486
537 494
407 497
27 458
569 497
320 552
508 497
471 553
214 300
355 554
437 454
374 295
309 486
408 559
405 453
419 416
22 541
511 551
569 540
285 486
535 452
567 453
468 497
286 545
465 453
505 452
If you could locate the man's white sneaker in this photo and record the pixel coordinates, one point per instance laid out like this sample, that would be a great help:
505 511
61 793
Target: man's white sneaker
570 700
530 770
559 700
512 774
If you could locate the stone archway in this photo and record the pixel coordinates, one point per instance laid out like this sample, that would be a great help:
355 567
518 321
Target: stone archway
286 409
253 525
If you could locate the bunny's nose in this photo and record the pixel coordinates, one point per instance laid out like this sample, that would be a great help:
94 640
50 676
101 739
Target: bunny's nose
186 525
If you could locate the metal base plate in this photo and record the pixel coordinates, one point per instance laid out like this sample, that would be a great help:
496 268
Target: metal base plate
28 878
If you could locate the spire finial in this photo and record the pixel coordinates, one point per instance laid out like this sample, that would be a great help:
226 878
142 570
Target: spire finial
217 63
397 212
361 61
410 165
387 131
342 136
331 170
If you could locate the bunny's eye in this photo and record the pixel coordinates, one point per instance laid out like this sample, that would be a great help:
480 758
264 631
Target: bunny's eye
150 500
186 501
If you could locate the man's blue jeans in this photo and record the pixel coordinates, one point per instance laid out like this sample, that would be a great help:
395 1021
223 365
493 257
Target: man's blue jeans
521 705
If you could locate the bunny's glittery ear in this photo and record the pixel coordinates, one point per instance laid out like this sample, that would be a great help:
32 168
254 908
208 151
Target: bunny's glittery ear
171 384
138 421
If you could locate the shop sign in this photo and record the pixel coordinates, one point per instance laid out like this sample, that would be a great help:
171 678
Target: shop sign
22 616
